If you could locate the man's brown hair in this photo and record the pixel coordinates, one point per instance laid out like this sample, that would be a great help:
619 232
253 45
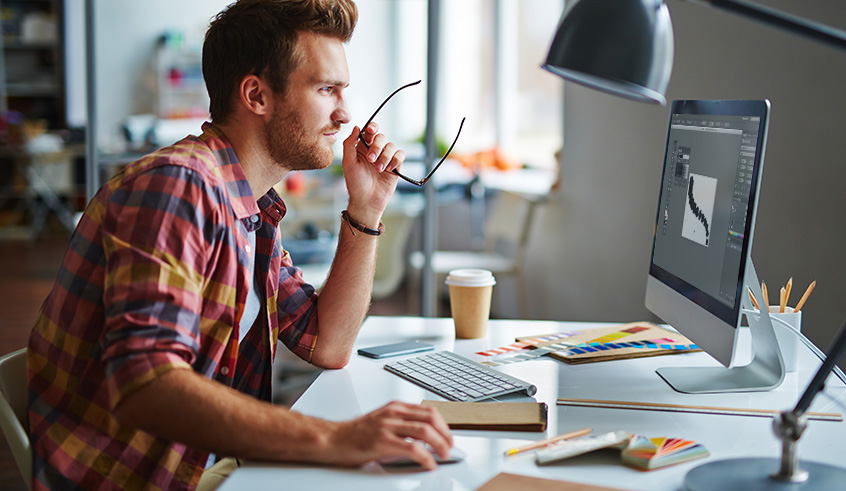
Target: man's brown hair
259 37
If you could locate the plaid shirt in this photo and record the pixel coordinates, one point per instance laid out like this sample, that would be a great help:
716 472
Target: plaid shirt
155 278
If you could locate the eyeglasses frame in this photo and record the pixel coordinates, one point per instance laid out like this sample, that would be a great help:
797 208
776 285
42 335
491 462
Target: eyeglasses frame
416 182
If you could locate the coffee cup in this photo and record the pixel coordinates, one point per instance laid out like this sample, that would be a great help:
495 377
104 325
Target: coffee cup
470 293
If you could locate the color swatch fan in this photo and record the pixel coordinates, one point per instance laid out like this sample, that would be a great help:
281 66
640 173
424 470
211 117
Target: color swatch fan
652 453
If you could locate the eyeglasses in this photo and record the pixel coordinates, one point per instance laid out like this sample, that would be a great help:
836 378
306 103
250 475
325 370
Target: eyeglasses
408 179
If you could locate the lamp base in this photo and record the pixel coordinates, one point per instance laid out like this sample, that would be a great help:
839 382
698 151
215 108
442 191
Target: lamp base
753 474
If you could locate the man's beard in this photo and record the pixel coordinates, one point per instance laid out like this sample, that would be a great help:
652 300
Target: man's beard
291 148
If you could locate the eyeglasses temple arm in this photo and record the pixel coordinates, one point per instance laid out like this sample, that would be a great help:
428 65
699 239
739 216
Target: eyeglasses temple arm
380 108
423 181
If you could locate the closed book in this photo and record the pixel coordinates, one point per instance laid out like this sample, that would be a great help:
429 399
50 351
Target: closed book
502 416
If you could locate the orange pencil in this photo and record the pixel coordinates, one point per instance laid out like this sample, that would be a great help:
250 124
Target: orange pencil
787 290
805 296
752 297
548 441
766 298
781 299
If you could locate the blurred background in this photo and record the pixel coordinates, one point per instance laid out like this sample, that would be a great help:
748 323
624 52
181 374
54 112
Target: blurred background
551 185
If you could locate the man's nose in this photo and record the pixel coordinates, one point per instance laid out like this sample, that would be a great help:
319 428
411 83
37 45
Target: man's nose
342 113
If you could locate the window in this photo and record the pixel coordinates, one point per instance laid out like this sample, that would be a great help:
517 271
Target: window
489 71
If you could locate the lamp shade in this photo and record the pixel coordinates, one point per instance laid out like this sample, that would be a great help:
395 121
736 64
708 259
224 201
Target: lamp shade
624 47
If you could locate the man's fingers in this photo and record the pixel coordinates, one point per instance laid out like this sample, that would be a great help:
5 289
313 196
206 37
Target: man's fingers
396 161
420 423
431 417
414 451
387 157
370 131
426 434
376 146
351 141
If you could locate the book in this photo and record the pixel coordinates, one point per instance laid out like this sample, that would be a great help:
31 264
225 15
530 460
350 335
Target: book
618 342
502 416
652 453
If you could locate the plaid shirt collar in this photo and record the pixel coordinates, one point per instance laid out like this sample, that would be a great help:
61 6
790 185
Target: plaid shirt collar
244 204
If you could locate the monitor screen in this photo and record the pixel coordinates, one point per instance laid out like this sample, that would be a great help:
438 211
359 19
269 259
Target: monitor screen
705 219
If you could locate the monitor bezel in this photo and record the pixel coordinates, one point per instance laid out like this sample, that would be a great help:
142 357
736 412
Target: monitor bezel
750 108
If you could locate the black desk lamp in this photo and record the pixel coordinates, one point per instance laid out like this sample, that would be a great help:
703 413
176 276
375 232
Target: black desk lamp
625 48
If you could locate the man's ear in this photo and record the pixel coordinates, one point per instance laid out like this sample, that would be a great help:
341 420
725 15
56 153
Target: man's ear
254 95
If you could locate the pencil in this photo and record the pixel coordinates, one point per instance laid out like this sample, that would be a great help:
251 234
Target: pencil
805 296
766 297
787 291
548 441
752 297
781 299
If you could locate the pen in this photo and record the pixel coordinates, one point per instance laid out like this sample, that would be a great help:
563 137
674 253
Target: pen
766 297
805 296
752 297
548 441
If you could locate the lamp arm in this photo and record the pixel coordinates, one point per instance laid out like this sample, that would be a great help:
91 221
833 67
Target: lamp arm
798 25
837 349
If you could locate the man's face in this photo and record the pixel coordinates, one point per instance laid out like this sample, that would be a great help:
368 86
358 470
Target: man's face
305 119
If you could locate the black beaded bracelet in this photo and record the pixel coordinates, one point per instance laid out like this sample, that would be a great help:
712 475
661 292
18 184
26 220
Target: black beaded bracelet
357 226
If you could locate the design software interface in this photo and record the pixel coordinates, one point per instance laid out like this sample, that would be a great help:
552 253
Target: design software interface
704 201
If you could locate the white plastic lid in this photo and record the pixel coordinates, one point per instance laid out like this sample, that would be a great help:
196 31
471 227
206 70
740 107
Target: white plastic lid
470 277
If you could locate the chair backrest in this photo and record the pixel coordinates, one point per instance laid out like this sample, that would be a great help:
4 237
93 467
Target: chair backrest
510 221
390 258
13 410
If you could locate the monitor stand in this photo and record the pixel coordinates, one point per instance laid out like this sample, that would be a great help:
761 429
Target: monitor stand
764 372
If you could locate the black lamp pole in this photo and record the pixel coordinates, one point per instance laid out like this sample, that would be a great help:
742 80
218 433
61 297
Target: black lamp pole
797 25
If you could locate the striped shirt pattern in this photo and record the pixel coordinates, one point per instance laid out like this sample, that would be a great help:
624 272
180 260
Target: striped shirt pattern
155 278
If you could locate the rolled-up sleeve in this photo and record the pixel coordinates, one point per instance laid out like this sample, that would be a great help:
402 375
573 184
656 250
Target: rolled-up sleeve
296 310
156 236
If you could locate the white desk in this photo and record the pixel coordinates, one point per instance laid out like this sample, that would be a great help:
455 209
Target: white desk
364 386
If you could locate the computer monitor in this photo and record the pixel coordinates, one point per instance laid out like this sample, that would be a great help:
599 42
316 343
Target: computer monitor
701 264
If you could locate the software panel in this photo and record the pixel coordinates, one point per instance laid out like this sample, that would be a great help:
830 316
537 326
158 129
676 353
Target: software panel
705 219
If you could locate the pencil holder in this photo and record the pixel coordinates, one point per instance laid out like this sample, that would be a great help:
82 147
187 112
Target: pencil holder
788 342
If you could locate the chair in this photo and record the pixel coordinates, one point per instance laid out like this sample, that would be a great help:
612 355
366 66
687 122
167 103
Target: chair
13 411
507 230
390 259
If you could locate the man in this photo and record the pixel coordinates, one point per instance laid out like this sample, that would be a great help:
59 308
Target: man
154 347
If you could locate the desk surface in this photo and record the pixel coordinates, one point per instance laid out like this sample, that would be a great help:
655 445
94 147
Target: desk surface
364 386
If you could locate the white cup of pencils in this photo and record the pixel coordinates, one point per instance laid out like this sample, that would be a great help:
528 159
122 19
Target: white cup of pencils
788 342
786 319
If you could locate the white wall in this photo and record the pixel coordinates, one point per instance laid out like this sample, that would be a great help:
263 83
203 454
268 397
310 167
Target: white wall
591 257
126 34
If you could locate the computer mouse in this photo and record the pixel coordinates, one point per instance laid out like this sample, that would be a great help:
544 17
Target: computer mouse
455 455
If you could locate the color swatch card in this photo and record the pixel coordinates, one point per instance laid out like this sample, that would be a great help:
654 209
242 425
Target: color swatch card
618 342
652 453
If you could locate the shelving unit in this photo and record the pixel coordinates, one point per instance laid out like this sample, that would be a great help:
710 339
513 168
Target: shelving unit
181 89
36 163
33 60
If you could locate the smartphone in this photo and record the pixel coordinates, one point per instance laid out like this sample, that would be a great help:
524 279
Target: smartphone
395 349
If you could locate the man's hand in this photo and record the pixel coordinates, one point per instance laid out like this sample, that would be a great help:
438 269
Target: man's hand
367 171
391 431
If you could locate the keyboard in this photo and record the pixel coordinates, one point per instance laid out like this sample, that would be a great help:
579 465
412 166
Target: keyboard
456 378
